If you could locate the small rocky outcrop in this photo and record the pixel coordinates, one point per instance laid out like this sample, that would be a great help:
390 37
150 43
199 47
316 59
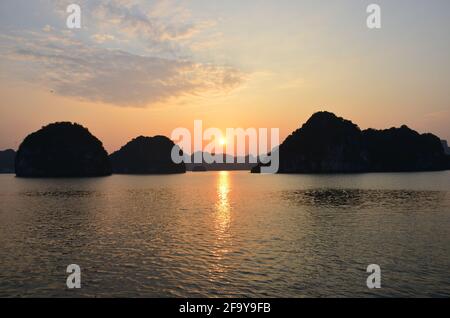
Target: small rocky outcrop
62 149
7 161
146 155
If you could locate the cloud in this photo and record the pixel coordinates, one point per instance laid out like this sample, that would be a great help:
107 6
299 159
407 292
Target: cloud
93 73
128 53
47 28
163 27
101 38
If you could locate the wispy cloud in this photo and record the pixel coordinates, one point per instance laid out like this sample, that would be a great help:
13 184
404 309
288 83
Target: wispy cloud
71 68
163 27
97 64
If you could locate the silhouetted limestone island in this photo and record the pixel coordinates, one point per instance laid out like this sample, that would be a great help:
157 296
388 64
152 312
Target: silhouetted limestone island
199 169
7 161
146 155
62 149
330 144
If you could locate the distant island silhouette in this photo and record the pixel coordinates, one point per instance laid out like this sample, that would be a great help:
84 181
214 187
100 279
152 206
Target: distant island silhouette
236 163
330 144
198 168
146 155
62 149
7 161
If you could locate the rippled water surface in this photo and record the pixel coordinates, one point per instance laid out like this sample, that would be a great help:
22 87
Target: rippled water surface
226 234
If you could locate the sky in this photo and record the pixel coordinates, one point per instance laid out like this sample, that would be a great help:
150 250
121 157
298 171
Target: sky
141 67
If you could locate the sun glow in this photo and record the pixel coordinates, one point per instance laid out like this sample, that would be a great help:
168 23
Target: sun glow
223 141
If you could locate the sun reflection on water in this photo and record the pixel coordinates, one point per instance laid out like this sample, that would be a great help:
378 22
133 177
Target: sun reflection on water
222 221
223 204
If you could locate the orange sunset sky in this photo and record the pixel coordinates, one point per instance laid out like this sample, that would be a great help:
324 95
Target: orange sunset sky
147 67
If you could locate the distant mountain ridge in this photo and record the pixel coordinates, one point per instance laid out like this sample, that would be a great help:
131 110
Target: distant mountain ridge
330 144
219 166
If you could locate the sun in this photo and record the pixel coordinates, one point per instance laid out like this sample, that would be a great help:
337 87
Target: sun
223 141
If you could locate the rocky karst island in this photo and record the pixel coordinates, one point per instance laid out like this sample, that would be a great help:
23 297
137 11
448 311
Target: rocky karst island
327 143
62 149
146 155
